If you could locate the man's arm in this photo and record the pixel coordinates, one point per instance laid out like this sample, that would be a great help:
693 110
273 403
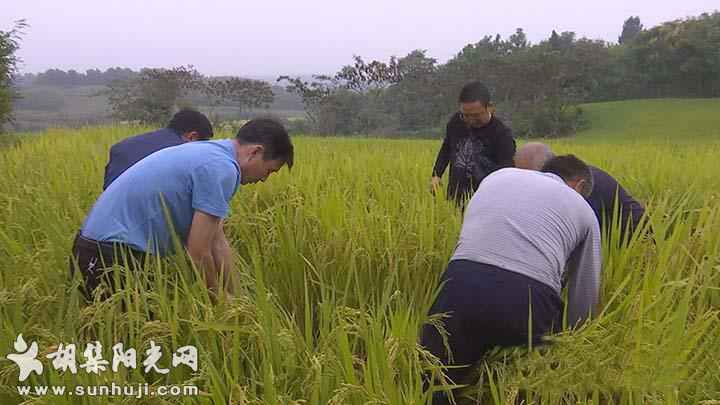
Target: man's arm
584 272
443 156
505 150
603 198
442 160
109 172
631 209
224 260
213 184
203 233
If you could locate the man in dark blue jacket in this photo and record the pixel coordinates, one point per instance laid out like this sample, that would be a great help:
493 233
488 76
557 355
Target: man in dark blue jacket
605 191
185 126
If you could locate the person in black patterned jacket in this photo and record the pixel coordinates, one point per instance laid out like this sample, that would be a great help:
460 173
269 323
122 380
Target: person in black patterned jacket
476 144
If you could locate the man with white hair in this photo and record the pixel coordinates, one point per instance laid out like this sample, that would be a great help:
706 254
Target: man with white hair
606 189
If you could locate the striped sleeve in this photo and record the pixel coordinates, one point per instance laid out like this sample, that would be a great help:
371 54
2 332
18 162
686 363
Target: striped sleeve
584 272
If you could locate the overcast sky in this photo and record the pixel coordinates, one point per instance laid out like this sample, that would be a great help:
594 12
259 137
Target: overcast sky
267 38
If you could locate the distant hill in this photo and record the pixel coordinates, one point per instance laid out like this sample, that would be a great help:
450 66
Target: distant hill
43 106
662 120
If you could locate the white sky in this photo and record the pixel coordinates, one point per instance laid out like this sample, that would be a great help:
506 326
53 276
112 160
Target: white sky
268 38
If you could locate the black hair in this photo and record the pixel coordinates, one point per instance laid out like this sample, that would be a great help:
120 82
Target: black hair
187 120
271 135
475 91
570 168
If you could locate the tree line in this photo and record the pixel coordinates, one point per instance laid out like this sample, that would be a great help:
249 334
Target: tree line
151 95
538 88
154 94
91 77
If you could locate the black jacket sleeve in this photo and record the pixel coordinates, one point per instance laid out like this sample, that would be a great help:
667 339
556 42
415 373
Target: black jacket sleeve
443 157
505 149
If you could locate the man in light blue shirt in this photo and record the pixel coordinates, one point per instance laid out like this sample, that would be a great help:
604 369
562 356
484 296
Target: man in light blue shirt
182 191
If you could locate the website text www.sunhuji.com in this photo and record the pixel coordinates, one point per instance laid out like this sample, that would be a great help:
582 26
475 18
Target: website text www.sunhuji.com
116 390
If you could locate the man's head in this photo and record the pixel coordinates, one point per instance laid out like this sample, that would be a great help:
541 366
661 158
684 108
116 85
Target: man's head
475 106
573 171
264 147
532 156
191 125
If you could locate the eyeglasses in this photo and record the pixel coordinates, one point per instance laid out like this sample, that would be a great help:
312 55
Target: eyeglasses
471 117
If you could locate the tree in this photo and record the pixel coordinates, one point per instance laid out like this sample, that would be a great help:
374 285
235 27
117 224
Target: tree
361 77
9 44
631 28
57 77
118 73
94 77
554 41
366 97
677 58
417 98
75 78
314 96
152 97
243 93
518 40
53 77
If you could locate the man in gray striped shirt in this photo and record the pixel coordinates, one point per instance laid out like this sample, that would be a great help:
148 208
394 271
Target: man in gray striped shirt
523 234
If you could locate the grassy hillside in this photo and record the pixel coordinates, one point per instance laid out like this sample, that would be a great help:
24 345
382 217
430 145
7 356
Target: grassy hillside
660 120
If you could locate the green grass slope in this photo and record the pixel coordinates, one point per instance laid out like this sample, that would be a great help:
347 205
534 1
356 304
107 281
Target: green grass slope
658 120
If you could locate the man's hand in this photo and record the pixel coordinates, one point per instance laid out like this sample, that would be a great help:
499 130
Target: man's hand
203 234
224 260
434 185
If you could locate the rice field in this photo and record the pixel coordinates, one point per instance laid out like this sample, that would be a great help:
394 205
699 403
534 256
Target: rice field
339 262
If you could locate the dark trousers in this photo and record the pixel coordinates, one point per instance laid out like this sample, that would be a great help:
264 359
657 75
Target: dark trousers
488 306
96 259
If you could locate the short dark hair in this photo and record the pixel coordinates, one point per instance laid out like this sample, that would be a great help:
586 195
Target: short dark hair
475 91
570 167
272 136
188 120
